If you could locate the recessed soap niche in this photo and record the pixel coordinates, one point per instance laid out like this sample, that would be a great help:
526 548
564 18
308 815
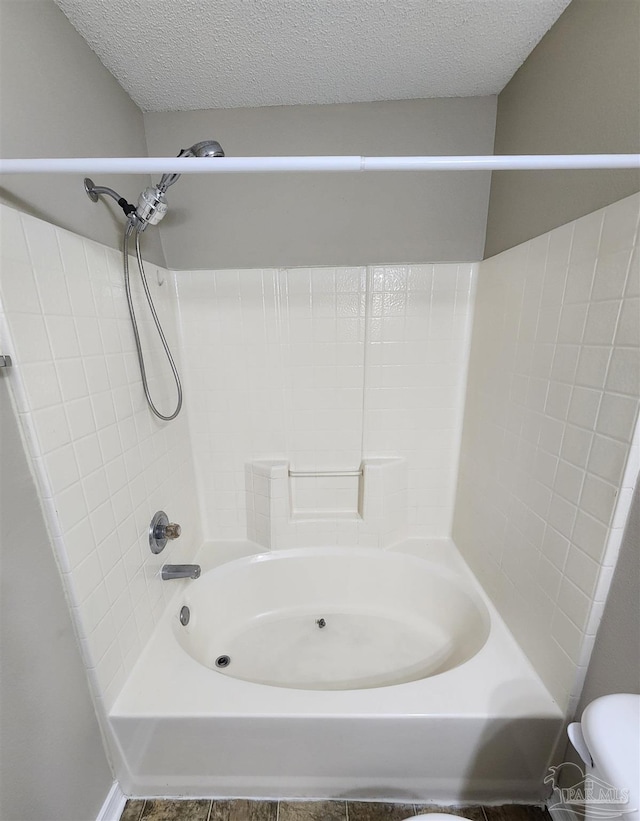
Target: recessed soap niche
289 508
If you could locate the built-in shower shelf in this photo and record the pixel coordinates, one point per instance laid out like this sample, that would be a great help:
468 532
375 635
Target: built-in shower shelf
289 508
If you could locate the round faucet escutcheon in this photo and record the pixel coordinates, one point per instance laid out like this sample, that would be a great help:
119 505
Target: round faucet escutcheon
161 530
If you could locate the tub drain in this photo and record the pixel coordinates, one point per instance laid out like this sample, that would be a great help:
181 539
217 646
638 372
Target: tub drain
223 661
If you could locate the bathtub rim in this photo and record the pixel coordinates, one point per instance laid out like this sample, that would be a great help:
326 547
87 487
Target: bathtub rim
182 687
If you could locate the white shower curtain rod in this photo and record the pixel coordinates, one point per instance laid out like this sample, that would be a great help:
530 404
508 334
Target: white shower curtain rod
245 165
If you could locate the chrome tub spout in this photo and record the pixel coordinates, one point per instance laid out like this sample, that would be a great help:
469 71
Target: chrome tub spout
180 571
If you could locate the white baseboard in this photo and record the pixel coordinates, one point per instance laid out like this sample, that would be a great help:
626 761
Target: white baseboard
113 805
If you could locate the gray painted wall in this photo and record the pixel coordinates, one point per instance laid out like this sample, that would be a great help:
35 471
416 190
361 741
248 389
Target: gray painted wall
280 220
615 662
577 92
58 100
53 765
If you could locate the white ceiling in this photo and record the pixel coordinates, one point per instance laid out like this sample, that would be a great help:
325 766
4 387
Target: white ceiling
192 54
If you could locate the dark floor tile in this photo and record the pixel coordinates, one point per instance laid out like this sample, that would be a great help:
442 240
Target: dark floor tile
187 810
312 811
132 810
515 812
374 811
241 810
472 813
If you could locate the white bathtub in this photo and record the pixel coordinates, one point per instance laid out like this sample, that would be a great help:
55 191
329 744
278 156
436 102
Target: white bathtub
332 619
412 689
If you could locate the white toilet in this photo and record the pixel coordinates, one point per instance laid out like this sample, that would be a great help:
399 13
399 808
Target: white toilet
608 741
437 816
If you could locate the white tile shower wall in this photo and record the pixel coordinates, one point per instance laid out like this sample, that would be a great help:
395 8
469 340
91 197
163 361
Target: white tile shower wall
104 464
417 342
552 403
322 367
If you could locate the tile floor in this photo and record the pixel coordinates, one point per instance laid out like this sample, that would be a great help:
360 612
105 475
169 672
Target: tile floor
241 810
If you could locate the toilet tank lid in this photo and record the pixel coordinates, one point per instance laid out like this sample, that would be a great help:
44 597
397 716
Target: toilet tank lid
611 728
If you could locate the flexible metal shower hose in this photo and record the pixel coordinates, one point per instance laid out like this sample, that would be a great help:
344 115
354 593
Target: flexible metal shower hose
127 284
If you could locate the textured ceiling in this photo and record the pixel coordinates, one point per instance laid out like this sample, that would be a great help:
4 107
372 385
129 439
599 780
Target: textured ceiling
192 54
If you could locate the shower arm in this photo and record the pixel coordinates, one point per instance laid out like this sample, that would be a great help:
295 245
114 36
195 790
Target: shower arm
94 191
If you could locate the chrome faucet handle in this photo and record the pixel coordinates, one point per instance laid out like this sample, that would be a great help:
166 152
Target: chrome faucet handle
161 530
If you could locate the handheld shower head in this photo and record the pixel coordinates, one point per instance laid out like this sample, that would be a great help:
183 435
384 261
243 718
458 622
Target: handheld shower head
152 204
206 148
